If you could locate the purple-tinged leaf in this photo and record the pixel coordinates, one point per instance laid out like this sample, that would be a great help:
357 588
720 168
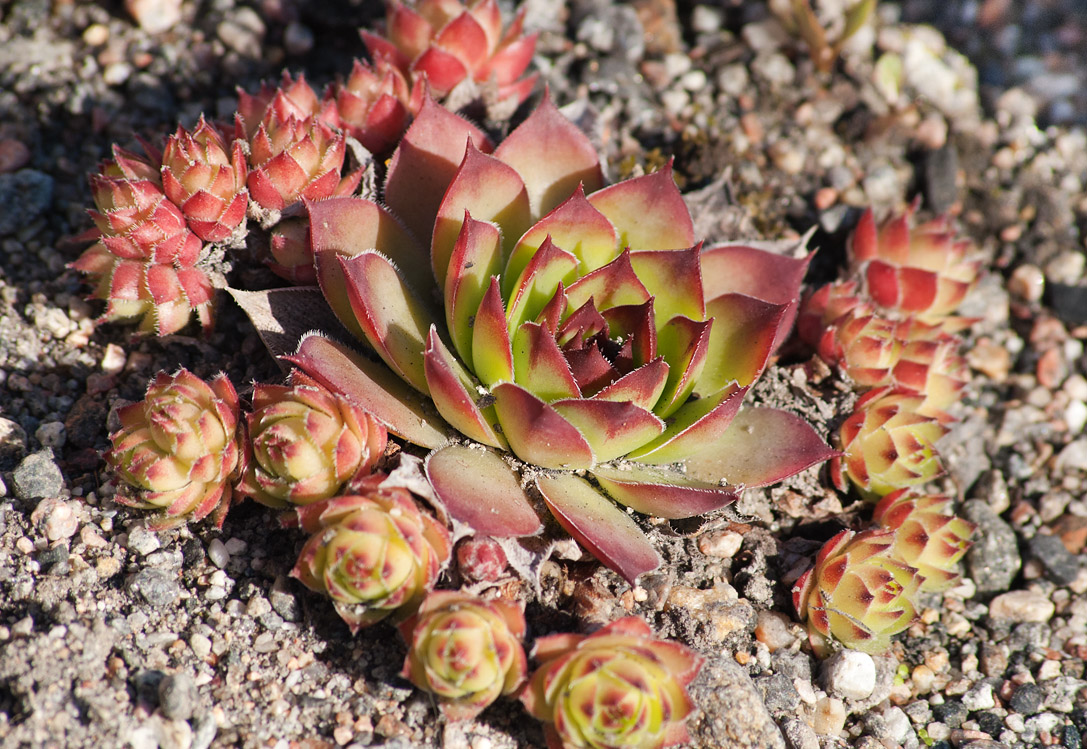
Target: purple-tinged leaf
424 163
642 387
684 344
477 256
613 285
552 156
648 212
661 492
492 354
393 320
539 366
374 388
761 446
536 286
611 428
591 369
490 191
574 226
605 530
349 226
479 489
696 424
636 324
741 340
455 395
584 322
674 278
536 432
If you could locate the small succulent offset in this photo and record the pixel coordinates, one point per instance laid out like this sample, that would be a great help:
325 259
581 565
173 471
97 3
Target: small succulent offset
465 650
307 444
586 347
618 687
451 43
926 535
375 554
859 593
179 449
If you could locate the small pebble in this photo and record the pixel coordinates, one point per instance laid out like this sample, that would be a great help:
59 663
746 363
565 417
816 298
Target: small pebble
201 645
1021 606
37 476
13 155
177 696
722 544
297 38
1027 699
850 674
51 434
154 586
979 697
830 717
218 553
62 522
96 34
154 16
143 541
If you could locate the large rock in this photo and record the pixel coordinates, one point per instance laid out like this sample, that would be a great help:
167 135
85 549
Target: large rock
993 561
732 711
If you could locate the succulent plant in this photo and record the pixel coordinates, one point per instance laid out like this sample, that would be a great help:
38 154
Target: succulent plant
587 347
375 554
465 650
205 178
926 535
481 559
922 271
307 444
145 264
858 593
618 687
179 449
450 42
376 103
888 443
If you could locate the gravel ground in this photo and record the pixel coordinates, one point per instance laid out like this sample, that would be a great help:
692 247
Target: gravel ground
111 635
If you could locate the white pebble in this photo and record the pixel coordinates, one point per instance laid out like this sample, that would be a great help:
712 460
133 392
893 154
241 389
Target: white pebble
1021 606
829 717
62 522
218 553
235 546
980 697
850 674
143 541
51 434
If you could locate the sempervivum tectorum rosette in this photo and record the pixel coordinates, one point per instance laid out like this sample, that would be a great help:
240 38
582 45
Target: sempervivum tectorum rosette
888 443
926 535
376 103
922 271
450 42
205 178
582 330
375 554
858 593
179 449
465 650
307 444
618 687
145 262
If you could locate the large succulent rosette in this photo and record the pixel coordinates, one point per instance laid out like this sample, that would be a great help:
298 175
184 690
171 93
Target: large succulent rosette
582 331
449 42
618 687
375 553
179 449
465 650
859 593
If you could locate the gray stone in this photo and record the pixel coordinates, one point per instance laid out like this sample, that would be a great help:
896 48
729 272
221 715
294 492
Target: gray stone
1027 699
993 561
177 696
284 602
12 444
778 693
24 196
733 713
799 735
1060 565
37 476
154 586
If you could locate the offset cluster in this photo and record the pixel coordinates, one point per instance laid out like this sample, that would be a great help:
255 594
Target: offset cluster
585 344
890 329
158 216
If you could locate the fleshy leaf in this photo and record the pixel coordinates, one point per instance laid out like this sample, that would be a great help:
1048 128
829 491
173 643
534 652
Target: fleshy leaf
574 226
616 284
492 354
539 366
552 156
428 156
609 533
480 489
748 270
455 395
490 191
536 432
674 278
761 446
612 428
372 387
349 226
684 344
393 320
695 424
642 387
476 258
661 492
537 284
649 212
741 340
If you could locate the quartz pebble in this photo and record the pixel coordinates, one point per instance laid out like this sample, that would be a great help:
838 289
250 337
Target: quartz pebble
1021 606
829 717
850 674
